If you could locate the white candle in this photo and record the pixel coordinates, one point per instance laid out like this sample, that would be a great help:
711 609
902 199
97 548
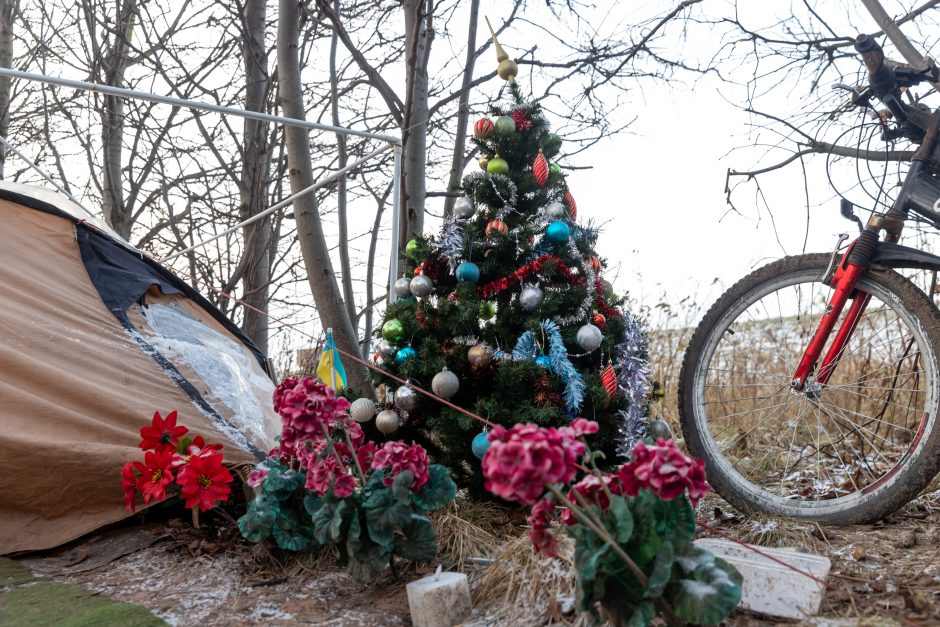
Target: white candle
439 600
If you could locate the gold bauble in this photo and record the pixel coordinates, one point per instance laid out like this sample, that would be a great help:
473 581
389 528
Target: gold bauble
507 70
387 421
484 162
479 356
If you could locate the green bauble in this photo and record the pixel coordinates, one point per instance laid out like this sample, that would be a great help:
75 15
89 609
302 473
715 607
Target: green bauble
551 145
411 247
393 331
497 165
554 169
505 126
608 290
487 310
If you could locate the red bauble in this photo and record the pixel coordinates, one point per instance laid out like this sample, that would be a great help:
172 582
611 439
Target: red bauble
483 128
595 264
452 296
609 379
572 205
599 320
540 168
496 226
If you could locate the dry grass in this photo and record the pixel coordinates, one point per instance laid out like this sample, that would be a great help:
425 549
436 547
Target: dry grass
521 588
466 529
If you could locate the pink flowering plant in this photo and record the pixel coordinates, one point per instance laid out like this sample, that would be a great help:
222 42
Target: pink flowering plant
324 485
632 528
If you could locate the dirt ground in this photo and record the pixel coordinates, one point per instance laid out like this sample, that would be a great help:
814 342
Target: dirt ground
882 574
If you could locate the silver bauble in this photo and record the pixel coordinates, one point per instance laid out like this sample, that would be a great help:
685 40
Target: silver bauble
589 337
464 208
555 211
387 421
659 430
403 287
406 399
421 286
531 297
445 383
362 410
383 348
479 356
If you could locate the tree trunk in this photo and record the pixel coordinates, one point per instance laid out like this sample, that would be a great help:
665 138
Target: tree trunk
8 10
255 181
115 64
342 156
323 286
418 36
463 110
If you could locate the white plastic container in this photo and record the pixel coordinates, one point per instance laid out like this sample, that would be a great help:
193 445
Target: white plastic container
772 588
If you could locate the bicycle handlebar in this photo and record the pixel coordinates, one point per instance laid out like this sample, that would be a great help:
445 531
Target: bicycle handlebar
886 78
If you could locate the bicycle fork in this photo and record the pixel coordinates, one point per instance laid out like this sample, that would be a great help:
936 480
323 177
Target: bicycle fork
851 267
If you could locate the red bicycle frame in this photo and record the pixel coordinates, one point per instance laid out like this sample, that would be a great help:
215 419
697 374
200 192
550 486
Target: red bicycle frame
843 282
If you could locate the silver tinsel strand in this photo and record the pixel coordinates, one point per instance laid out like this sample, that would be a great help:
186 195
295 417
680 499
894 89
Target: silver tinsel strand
633 380
450 246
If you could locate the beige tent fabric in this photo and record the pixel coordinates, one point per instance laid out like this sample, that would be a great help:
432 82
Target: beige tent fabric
74 390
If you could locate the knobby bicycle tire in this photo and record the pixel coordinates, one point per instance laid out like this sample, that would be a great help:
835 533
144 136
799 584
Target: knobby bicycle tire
836 431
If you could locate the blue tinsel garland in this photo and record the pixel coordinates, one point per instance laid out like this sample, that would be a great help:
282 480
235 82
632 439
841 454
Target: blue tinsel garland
526 348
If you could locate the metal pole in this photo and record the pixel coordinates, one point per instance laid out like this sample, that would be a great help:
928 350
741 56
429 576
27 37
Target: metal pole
285 202
396 205
192 104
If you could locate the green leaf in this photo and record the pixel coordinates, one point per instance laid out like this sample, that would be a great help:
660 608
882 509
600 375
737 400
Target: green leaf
707 594
439 490
282 484
675 519
341 515
322 521
642 615
662 571
312 503
645 543
401 485
383 522
417 543
290 535
256 524
620 519
366 559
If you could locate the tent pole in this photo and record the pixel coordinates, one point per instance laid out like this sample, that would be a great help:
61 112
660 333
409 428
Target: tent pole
396 206
191 104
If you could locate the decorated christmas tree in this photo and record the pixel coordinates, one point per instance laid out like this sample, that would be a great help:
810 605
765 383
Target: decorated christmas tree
505 313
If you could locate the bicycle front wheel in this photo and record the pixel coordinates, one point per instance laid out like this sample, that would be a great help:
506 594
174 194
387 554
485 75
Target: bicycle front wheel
852 451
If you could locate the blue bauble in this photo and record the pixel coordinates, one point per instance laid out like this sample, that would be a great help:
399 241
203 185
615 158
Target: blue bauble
557 232
544 361
468 272
404 354
480 444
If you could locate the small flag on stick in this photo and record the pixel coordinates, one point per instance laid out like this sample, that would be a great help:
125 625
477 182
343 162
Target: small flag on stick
330 369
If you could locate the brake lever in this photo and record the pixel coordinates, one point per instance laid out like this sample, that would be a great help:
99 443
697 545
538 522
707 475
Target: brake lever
859 98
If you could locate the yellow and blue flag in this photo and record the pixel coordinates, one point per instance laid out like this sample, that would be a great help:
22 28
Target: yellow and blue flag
330 369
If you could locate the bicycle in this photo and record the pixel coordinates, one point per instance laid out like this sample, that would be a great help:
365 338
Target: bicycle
811 388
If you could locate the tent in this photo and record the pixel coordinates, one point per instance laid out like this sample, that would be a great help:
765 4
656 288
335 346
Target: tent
95 337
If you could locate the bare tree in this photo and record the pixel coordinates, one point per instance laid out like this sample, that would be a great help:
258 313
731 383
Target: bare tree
313 244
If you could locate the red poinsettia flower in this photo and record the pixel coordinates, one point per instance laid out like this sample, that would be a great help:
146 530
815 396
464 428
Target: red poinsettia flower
162 434
155 474
129 485
204 481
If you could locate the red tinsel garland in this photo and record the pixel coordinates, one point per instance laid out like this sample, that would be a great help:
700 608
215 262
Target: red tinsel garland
499 285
